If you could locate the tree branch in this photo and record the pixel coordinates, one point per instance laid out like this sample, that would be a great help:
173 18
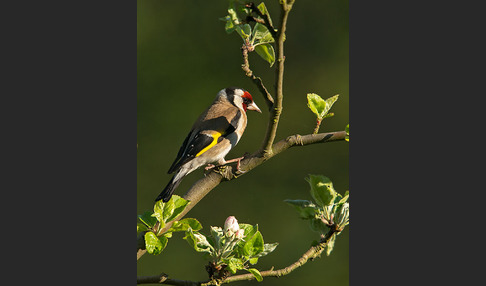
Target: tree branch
276 111
226 173
256 80
312 253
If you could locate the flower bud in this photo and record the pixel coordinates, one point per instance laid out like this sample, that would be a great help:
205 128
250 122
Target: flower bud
231 226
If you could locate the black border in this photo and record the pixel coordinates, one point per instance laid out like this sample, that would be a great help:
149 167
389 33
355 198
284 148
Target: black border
416 76
69 107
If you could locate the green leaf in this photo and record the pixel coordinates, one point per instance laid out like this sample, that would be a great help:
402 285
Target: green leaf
331 100
185 224
244 31
234 264
319 106
159 211
306 209
229 26
330 245
233 15
253 260
267 52
153 244
147 219
261 35
254 245
267 248
168 234
266 39
249 230
179 206
343 199
259 31
330 114
255 273
217 235
316 103
321 189
141 227
347 133
264 11
341 215
198 241
168 209
232 20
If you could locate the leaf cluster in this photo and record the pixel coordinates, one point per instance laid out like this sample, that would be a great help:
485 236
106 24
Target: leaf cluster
152 223
257 38
230 252
329 210
320 107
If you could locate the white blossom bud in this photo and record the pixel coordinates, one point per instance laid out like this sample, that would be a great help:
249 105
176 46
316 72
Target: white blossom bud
231 226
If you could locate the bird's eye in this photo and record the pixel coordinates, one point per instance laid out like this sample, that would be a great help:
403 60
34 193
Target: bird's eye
246 101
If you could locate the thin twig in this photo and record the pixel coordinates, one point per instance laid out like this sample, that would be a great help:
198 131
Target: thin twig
312 253
256 80
318 124
266 149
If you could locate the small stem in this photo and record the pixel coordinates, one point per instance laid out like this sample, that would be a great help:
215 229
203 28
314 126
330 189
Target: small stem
318 125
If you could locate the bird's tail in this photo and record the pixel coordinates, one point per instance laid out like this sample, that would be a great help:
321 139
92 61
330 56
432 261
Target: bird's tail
166 194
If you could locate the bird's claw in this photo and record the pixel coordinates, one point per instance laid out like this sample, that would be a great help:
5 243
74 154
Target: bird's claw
238 166
209 167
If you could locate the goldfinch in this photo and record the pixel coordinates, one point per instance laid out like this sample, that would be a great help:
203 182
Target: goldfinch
212 136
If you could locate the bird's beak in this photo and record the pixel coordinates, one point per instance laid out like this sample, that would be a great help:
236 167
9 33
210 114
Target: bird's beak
253 106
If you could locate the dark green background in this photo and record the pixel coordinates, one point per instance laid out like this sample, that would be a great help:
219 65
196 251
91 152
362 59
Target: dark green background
184 58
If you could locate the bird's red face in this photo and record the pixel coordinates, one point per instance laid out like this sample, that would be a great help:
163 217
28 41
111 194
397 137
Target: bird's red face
248 103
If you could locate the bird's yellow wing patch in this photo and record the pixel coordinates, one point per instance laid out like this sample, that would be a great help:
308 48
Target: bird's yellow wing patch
215 136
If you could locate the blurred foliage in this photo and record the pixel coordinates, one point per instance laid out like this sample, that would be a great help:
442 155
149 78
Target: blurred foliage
184 57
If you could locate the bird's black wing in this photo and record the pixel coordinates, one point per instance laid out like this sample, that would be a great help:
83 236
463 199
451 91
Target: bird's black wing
190 150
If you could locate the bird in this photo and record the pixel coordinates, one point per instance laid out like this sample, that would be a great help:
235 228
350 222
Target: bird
213 135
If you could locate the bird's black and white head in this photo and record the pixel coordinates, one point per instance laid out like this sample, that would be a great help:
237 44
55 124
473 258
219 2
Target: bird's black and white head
240 98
